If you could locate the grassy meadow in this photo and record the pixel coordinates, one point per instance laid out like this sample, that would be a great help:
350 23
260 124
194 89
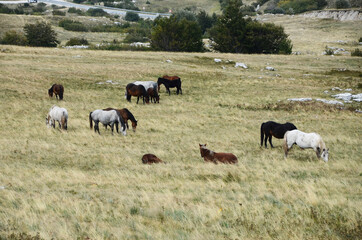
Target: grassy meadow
81 185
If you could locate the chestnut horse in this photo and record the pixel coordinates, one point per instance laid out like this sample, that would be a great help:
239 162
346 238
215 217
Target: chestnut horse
126 115
153 95
57 89
210 156
137 91
277 130
150 158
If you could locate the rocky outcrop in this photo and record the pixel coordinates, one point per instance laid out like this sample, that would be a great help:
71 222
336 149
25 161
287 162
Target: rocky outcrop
342 15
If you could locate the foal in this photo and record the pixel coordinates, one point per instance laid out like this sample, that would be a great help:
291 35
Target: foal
57 89
210 156
150 158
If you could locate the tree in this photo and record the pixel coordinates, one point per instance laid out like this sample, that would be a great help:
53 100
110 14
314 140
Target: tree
41 34
132 17
233 33
205 21
171 34
14 38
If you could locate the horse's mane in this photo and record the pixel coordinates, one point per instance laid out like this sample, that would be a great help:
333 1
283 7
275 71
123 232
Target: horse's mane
129 115
205 150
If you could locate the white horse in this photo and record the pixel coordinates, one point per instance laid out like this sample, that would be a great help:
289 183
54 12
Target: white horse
57 114
106 118
305 140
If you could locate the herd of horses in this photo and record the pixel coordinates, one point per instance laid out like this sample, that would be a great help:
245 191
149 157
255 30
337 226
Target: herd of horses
148 91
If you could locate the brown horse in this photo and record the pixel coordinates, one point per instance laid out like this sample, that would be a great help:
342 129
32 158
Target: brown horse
210 156
137 91
57 89
171 78
126 115
153 95
150 159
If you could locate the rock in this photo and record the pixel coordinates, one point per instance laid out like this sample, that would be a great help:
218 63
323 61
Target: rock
334 102
239 64
168 61
343 96
217 60
300 99
270 68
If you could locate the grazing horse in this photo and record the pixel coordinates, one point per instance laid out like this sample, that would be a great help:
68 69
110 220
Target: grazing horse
57 114
305 140
106 118
150 159
126 115
171 77
57 89
210 156
137 91
277 130
170 84
152 92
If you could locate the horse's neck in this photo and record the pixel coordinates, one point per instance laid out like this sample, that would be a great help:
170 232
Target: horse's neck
207 152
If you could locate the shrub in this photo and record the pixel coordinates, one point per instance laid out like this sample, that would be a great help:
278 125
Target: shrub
171 34
96 12
71 25
205 21
342 4
137 34
76 11
132 17
78 1
77 41
328 51
356 53
14 38
299 6
235 34
360 39
58 13
40 34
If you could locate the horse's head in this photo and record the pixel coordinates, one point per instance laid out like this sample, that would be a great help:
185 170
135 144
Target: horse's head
202 148
50 92
325 154
134 126
47 121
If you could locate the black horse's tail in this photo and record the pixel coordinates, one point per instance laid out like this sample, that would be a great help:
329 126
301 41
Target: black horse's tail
90 120
61 91
261 134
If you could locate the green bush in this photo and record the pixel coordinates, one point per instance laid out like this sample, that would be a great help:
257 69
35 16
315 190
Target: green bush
171 34
360 39
77 41
132 17
356 53
71 25
14 38
205 21
137 34
58 13
40 34
342 4
235 34
96 12
299 6
76 11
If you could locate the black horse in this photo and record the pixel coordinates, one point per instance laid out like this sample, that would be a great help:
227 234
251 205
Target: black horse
170 84
277 130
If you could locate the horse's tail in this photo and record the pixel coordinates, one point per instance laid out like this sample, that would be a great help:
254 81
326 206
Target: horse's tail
261 134
64 121
61 91
285 144
90 120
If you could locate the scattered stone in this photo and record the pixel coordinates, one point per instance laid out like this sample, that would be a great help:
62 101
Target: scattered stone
168 61
326 92
334 102
359 111
77 56
76 47
223 67
336 88
217 60
343 96
297 53
270 68
348 90
239 64
357 97
300 99
140 44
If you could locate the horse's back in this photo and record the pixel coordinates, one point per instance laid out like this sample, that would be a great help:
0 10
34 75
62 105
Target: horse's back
226 157
57 112
302 139
146 84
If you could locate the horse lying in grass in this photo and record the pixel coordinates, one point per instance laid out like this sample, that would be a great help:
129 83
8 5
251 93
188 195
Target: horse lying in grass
126 115
305 140
137 91
110 118
277 130
57 89
170 84
150 159
57 114
210 156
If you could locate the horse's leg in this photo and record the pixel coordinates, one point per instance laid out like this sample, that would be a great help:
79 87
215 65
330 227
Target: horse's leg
138 98
261 138
270 141
265 140
117 126
168 90
112 127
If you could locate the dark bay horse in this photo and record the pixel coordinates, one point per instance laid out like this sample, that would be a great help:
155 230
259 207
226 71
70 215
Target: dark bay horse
57 89
171 77
137 91
170 84
210 156
277 130
150 159
153 95
126 115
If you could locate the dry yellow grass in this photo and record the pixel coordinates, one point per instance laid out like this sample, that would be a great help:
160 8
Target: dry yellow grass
78 184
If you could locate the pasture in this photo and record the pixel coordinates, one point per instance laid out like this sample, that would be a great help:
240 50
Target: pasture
78 184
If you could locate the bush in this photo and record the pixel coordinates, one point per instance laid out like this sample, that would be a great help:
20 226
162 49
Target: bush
205 21
96 12
132 17
14 38
40 34
77 41
78 1
235 34
76 11
71 25
356 53
137 34
328 51
58 13
360 39
299 6
342 4
171 34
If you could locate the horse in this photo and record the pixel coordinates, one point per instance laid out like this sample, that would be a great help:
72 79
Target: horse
170 84
277 130
57 114
58 90
126 115
106 118
210 156
150 159
147 84
171 77
305 140
152 92
138 91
